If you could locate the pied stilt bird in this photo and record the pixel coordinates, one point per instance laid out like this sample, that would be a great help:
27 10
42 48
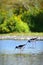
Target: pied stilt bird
32 39
20 46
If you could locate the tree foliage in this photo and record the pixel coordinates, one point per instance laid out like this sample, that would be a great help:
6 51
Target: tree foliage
21 16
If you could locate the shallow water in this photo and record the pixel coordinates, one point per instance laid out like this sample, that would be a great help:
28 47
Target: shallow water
8 46
21 59
31 56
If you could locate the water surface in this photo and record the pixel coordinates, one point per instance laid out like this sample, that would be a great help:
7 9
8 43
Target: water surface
6 59
27 56
8 46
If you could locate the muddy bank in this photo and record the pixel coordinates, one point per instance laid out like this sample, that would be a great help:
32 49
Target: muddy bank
20 37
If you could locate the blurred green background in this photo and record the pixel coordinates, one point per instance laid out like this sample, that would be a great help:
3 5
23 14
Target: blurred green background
21 16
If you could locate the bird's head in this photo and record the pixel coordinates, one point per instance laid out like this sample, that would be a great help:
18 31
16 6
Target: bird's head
28 41
16 47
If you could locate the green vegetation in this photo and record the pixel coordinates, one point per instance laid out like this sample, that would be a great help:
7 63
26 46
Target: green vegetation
21 17
11 23
34 20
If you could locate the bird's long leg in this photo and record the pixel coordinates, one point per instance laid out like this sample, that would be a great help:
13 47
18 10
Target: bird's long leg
22 48
34 44
31 45
20 51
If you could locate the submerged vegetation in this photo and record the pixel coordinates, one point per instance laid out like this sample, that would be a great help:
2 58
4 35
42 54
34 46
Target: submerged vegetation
21 16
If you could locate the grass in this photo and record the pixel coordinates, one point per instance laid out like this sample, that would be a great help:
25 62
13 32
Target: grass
23 34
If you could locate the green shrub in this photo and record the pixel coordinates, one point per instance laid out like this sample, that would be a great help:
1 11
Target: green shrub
19 9
26 16
34 19
13 24
4 29
2 17
21 26
24 21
